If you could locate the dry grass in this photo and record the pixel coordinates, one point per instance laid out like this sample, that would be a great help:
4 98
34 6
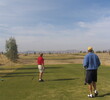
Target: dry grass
30 59
50 59
62 58
105 58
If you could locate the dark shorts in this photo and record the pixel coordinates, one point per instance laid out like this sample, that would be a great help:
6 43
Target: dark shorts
91 76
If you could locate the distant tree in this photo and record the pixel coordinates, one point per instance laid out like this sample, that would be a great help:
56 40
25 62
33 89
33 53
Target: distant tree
80 51
26 54
104 51
11 49
98 51
1 53
34 53
49 52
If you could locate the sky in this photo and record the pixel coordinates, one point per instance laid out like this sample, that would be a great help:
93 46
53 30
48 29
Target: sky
55 24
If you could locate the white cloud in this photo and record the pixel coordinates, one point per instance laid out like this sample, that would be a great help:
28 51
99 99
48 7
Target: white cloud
98 28
47 36
42 25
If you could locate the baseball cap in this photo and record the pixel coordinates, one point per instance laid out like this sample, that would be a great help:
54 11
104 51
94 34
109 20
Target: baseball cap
90 48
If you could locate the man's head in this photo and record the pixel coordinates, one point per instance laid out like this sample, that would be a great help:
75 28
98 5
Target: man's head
41 54
90 49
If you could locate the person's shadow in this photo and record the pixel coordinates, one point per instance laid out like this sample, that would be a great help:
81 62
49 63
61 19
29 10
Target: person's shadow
103 95
65 79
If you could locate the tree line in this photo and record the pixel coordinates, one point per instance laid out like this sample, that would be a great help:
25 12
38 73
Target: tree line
12 50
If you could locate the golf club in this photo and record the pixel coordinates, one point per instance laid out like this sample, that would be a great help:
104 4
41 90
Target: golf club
34 76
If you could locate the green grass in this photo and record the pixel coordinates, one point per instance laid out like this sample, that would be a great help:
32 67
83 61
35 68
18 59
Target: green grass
62 82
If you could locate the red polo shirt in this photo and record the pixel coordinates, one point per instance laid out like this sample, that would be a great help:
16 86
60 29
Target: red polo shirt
40 60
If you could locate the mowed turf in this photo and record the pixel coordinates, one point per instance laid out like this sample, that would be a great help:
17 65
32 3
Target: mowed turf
62 82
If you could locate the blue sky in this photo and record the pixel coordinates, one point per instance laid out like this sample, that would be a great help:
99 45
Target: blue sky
55 24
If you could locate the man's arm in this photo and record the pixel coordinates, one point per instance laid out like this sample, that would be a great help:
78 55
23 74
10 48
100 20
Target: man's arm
85 62
98 61
43 62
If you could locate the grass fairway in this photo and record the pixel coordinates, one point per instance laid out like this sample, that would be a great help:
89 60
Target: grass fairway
62 82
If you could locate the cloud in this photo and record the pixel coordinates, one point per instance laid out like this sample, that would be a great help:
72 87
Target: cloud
98 28
48 36
40 24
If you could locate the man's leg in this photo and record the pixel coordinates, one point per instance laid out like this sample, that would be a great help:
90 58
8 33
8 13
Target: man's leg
94 82
40 76
94 85
89 81
90 88
95 89
41 70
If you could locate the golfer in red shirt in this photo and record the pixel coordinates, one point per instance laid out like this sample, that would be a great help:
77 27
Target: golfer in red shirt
40 62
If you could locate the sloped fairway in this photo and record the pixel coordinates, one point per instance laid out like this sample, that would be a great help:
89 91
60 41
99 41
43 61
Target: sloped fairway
62 82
